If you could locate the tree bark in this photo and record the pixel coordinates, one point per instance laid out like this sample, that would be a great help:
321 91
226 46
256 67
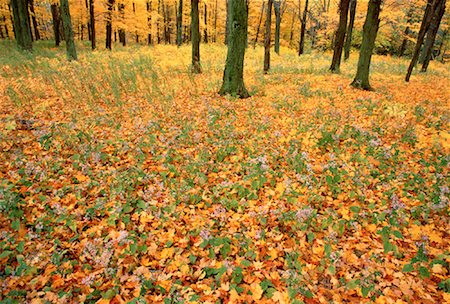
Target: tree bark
428 15
92 24
22 24
122 33
370 30
431 36
301 47
227 22
149 22
195 37
34 20
406 33
215 22
291 35
68 31
56 23
259 23
267 37
340 36
277 9
205 30
110 5
180 23
351 22
233 75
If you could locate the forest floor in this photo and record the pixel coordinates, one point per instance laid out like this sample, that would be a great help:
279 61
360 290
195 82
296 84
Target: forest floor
123 177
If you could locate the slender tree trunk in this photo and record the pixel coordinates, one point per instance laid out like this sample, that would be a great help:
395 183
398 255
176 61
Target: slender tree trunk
291 35
227 22
233 75
215 22
440 52
56 23
149 22
370 30
431 36
21 24
6 27
195 37
407 32
92 23
348 36
301 48
205 30
68 31
277 9
33 18
259 23
340 36
267 35
428 15
88 9
110 6
122 33
180 23
29 21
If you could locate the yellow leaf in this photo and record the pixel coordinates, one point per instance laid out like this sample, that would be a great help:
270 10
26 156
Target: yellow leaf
256 290
81 178
167 253
280 297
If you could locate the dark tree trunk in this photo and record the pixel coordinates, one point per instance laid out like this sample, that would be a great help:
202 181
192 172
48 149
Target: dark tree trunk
56 23
370 30
169 25
233 75
267 35
122 33
110 6
348 36
158 34
33 18
291 35
431 36
407 32
205 30
92 23
149 22
340 36
215 22
428 15
259 24
22 24
301 48
68 31
180 23
227 22
195 37
87 3
277 9
6 27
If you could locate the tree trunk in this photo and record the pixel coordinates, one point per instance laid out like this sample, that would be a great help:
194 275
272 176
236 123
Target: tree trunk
428 15
277 9
301 48
21 24
340 36
56 23
291 35
33 18
267 35
259 24
68 31
233 75
227 22
180 23
431 36
215 22
110 5
370 30
195 37
406 33
122 33
92 23
348 37
205 30
149 22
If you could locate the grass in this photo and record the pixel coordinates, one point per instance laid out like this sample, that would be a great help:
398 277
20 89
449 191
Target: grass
136 181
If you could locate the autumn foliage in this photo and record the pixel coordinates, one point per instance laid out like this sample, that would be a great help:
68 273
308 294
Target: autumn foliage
124 178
